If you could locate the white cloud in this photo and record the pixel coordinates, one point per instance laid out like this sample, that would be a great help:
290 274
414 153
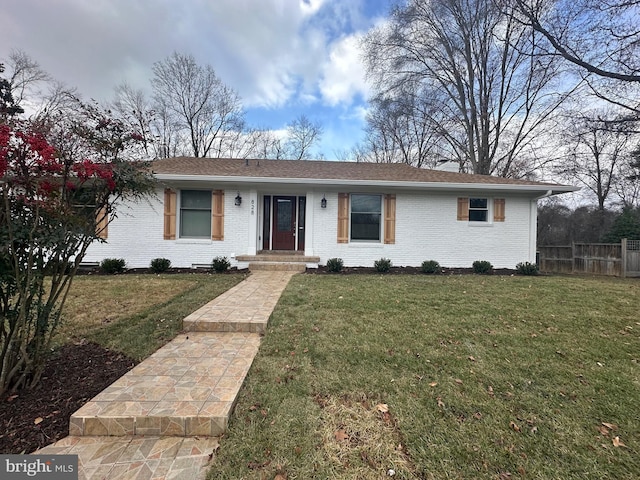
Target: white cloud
343 76
284 57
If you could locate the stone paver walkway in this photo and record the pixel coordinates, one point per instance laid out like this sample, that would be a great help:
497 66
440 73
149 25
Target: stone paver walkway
159 421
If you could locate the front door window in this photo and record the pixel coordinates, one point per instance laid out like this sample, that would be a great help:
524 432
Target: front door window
284 210
284 222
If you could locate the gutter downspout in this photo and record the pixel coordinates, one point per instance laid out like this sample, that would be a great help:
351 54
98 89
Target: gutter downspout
533 225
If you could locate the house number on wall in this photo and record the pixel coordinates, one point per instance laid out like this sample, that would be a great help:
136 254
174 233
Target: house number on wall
253 207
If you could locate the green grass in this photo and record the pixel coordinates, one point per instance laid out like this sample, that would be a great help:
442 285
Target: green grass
484 377
136 314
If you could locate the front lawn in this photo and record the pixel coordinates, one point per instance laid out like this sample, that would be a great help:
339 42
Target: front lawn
483 377
136 314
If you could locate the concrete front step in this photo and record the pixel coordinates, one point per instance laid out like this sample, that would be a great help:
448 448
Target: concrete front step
187 388
278 257
278 261
277 267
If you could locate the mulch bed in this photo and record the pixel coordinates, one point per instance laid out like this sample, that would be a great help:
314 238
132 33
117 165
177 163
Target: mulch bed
404 271
32 419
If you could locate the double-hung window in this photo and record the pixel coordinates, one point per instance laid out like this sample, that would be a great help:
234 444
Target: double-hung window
481 210
478 210
195 214
366 217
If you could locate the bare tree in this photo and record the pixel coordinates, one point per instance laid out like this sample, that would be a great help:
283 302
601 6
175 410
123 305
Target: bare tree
133 107
601 38
480 68
597 150
198 101
302 135
34 89
400 129
26 75
628 185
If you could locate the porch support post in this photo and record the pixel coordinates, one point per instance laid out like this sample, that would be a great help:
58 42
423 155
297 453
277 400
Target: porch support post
253 220
308 236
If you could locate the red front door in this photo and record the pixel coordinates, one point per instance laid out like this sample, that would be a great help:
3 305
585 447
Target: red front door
284 223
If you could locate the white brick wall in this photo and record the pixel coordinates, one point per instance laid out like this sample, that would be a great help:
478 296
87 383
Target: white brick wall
426 229
137 236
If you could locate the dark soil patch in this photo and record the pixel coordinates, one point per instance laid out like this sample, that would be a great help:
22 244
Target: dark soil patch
405 271
172 271
75 374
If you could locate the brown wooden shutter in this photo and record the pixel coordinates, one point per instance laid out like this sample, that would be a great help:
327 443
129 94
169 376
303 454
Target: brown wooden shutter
170 198
217 215
390 219
498 209
102 223
463 208
343 218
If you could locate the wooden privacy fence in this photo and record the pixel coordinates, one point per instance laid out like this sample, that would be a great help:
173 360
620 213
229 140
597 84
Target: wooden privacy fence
614 259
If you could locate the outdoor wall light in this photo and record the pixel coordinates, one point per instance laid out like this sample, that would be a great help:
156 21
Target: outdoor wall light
323 202
238 199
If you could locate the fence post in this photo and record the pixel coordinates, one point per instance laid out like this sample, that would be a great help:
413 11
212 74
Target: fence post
624 257
573 257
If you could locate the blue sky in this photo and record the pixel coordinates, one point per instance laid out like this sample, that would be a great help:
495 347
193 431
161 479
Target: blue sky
284 57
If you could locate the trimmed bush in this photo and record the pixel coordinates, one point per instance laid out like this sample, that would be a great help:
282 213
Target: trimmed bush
220 264
160 265
527 268
113 265
482 267
430 266
383 265
335 265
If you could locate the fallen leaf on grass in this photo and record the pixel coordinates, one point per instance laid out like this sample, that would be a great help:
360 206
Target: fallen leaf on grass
433 384
440 402
472 358
617 442
514 426
255 465
280 476
610 426
490 390
382 407
603 431
458 381
341 435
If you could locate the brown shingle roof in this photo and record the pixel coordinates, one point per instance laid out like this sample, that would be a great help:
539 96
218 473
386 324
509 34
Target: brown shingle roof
322 170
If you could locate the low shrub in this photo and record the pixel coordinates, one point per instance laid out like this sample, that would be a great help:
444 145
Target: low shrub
430 266
113 265
383 265
220 264
527 268
160 265
482 267
335 265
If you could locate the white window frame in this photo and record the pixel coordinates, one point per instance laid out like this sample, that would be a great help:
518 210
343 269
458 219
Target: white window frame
487 209
180 217
380 222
